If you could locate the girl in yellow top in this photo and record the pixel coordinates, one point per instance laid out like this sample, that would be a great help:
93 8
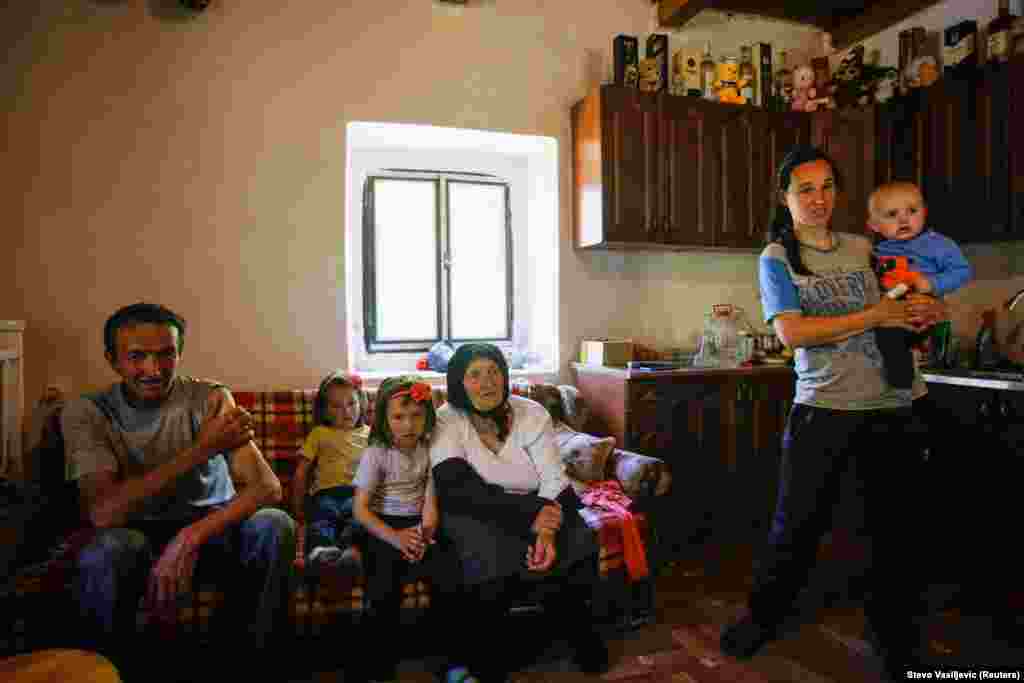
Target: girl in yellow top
332 451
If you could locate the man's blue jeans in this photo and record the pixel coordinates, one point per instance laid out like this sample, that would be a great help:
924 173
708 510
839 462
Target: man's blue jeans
251 562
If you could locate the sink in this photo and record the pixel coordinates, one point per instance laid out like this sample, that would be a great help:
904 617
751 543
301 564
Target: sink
1001 375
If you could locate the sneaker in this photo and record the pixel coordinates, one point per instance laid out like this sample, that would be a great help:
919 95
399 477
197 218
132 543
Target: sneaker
324 557
351 560
744 638
459 674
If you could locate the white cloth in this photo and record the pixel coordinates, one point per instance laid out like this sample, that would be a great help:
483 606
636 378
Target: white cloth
529 461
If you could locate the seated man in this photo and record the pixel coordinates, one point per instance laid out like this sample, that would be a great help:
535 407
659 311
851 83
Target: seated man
171 479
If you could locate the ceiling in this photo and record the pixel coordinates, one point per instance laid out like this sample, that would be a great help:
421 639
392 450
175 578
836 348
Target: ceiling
847 20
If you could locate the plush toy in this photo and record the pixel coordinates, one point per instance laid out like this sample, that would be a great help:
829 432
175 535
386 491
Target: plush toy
895 271
885 89
824 88
807 96
851 86
804 92
728 84
650 75
921 72
784 89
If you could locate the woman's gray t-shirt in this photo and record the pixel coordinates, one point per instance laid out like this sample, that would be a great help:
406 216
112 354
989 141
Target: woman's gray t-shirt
843 375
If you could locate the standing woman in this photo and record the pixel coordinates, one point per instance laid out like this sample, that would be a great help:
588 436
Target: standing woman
820 294
511 512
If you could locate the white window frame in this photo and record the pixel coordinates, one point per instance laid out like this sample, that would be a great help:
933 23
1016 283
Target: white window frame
530 166
440 181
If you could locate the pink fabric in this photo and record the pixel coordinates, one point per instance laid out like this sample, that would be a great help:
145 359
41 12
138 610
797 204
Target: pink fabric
608 495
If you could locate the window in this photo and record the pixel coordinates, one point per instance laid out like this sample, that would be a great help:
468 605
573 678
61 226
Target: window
449 233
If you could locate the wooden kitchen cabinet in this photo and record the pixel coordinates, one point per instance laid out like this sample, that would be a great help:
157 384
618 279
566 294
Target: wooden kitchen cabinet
718 429
959 141
644 170
753 144
848 137
667 172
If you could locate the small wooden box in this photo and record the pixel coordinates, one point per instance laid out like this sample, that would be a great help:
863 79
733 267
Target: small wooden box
612 352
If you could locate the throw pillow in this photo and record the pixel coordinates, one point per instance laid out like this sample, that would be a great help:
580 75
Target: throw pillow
585 456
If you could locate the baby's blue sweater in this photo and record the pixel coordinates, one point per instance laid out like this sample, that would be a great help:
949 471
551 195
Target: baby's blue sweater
933 255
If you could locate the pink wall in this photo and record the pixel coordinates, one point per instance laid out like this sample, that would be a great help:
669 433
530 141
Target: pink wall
202 163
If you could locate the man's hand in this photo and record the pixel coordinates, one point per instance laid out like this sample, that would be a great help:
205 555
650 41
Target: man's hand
548 519
541 556
225 432
172 573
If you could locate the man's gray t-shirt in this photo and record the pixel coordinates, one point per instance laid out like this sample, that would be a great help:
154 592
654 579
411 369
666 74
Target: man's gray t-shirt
104 433
843 375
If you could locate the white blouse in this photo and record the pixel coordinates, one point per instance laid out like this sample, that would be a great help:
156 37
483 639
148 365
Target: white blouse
529 460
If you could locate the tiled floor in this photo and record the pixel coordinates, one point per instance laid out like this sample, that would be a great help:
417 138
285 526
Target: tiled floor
828 643
710 587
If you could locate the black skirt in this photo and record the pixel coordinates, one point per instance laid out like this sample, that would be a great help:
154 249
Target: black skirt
488 552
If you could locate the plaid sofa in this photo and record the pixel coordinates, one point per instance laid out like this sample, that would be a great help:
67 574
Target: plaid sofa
282 421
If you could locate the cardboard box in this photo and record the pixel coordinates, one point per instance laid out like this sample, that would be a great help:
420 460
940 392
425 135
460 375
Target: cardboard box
613 352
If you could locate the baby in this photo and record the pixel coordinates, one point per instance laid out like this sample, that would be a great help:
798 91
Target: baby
911 255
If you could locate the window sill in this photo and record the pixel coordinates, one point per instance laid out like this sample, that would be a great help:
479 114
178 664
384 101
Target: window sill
540 375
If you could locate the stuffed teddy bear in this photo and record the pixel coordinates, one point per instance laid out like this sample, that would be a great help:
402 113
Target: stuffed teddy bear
921 72
650 75
885 89
728 84
806 96
803 89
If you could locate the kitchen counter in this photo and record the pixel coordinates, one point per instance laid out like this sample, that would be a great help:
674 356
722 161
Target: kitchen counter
688 372
975 379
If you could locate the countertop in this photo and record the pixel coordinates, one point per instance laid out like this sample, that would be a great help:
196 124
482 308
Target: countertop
976 379
687 372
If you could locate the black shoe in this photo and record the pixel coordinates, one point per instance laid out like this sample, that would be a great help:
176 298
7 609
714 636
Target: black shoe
745 637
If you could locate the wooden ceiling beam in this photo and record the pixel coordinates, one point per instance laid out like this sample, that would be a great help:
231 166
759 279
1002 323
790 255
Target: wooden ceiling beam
874 19
847 20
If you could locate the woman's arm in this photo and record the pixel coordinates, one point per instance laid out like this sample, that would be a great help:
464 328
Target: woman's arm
543 451
781 303
431 514
796 330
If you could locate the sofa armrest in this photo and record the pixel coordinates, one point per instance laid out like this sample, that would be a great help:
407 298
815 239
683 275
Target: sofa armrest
640 475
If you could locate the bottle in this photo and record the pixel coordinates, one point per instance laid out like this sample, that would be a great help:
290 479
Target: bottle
747 74
707 356
707 74
783 94
727 333
960 50
999 34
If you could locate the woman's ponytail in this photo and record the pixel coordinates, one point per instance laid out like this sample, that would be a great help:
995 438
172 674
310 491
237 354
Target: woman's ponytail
781 230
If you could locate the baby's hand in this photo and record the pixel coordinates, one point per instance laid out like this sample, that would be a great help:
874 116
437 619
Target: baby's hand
921 283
